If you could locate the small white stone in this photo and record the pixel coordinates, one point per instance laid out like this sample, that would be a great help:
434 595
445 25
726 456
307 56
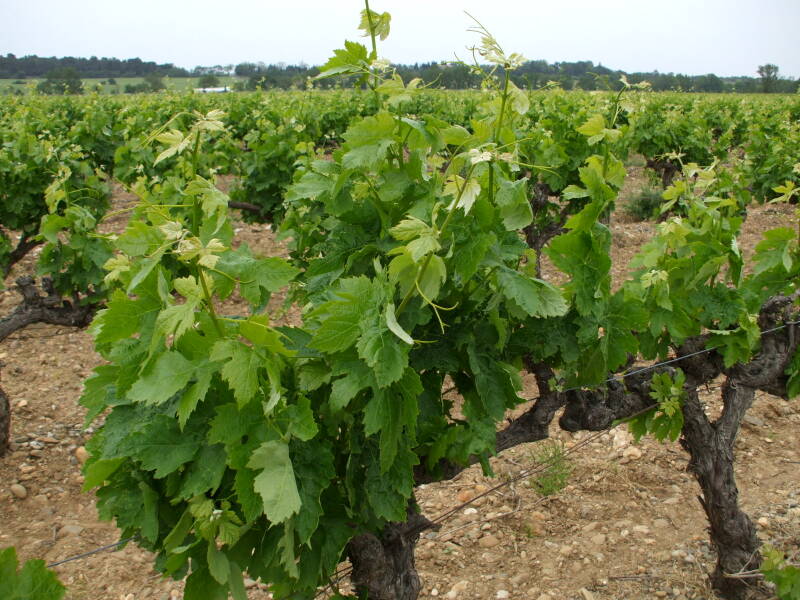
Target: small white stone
68 530
502 594
632 453
19 491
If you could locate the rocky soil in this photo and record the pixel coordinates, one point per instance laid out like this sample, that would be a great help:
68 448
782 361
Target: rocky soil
626 525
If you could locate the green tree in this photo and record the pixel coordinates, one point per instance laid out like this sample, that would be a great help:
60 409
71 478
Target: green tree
154 81
769 77
65 80
708 83
208 81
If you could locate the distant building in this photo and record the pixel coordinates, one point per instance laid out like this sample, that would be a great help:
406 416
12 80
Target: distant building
215 90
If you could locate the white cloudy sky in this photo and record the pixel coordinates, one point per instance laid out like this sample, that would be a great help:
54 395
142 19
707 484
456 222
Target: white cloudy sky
727 37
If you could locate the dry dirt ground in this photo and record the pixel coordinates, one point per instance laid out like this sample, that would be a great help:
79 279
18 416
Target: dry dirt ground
627 524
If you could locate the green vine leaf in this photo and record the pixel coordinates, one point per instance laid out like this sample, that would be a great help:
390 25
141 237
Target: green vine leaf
276 482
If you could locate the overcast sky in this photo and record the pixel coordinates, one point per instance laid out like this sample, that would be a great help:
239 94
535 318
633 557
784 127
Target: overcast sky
726 37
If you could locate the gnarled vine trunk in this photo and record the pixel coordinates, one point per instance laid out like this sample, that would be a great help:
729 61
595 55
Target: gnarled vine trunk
25 245
383 566
48 308
710 446
5 423
665 169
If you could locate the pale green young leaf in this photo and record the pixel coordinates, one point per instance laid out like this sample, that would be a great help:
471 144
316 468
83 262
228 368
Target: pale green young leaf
593 127
786 192
350 59
116 266
98 471
572 192
189 288
394 326
213 202
257 330
375 23
396 91
422 246
455 135
465 191
520 102
176 320
403 271
368 140
434 276
410 228
143 268
275 483
776 249
176 143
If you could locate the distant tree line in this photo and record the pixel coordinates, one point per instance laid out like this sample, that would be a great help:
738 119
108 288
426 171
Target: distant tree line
534 74
39 66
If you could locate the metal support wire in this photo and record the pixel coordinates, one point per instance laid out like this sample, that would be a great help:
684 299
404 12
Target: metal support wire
95 551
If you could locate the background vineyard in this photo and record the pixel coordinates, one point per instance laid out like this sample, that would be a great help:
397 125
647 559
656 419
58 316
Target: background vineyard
267 142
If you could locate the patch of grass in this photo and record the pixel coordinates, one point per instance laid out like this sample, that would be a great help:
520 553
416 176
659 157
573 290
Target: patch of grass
101 85
558 469
645 205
